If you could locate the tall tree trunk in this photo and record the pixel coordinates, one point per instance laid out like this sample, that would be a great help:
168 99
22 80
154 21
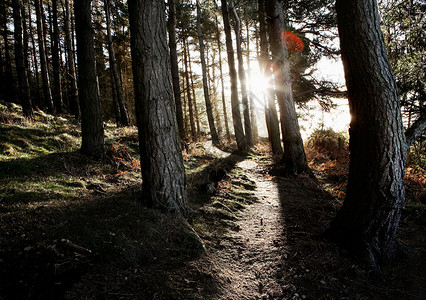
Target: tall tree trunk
235 103
74 101
92 129
2 76
9 82
294 158
24 89
213 132
188 94
56 63
191 76
369 217
253 118
38 100
116 107
212 79
271 112
47 94
162 166
225 113
174 67
242 77
113 65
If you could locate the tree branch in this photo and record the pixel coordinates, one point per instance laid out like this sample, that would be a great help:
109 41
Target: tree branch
416 130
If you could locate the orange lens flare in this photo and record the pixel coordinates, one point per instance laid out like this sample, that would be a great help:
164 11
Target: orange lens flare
292 41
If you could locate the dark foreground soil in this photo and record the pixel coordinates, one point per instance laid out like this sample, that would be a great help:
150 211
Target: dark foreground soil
257 237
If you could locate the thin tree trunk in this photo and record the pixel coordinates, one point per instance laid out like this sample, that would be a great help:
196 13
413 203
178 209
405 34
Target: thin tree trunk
242 77
235 103
113 65
38 100
294 158
225 114
213 132
47 94
370 215
271 112
214 93
191 76
174 67
56 64
74 101
162 166
116 107
188 94
9 82
92 129
253 118
24 89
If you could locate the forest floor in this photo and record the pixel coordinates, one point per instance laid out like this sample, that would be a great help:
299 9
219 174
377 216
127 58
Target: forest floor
73 228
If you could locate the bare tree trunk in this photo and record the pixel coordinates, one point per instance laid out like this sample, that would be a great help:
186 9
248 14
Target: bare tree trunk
162 166
243 83
38 101
191 76
113 65
24 89
271 111
188 94
225 113
47 94
213 132
57 94
370 215
212 78
9 84
294 158
74 101
249 93
174 67
92 129
236 115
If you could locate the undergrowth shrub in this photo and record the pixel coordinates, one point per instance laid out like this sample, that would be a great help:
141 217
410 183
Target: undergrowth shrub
327 143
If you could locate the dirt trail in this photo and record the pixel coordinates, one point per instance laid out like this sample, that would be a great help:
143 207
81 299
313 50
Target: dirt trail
252 254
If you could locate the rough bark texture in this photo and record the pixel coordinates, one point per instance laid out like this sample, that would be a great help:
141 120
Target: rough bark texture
24 89
369 217
235 103
242 77
294 157
56 64
213 132
171 24
163 172
271 110
191 76
92 129
124 116
225 113
74 101
47 93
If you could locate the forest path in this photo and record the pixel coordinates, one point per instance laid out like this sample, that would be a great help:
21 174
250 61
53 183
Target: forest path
252 255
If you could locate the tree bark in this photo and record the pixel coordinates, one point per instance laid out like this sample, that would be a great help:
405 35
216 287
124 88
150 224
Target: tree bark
162 166
24 89
271 112
191 76
56 63
235 103
213 132
242 77
38 101
250 97
225 113
9 84
113 65
74 101
92 129
47 94
171 24
294 157
188 94
369 218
